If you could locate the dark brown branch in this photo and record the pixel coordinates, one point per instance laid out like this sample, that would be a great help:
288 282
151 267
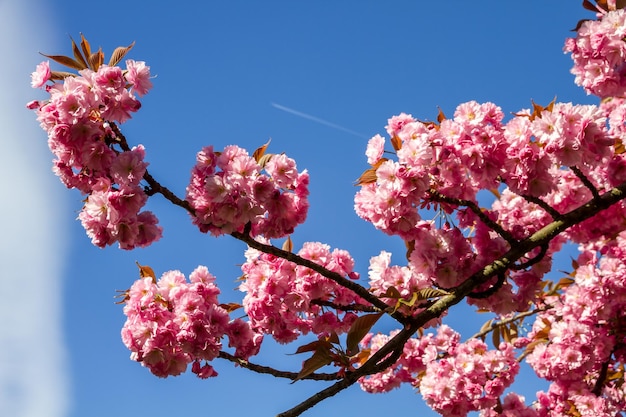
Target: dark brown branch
597 389
583 178
343 307
532 261
334 276
376 363
547 207
504 322
499 266
154 186
275 372
489 291
475 208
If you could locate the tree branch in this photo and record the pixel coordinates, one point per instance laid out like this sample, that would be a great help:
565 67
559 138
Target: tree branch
510 320
334 276
155 186
341 307
583 178
275 372
475 208
547 207
499 266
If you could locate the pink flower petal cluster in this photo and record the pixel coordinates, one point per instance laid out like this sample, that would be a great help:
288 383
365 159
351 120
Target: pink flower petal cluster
469 378
475 151
228 190
453 377
287 300
172 323
77 118
583 334
416 354
599 54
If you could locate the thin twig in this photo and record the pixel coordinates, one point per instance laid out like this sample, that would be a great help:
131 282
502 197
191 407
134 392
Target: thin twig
475 208
344 307
537 239
155 186
583 178
334 276
504 322
547 207
275 372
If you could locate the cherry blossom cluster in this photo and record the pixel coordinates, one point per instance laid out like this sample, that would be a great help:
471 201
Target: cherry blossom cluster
77 118
286 300
599 54
454 378
228 191
172 323
584 334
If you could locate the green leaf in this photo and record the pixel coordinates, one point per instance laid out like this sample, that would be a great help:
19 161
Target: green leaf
361 326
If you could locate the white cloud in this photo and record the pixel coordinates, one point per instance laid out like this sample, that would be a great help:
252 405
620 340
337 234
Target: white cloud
33 367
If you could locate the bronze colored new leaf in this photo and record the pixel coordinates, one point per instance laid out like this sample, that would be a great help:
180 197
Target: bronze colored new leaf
320 358
358 330
260 151
288 244
66 61
146 271
119 53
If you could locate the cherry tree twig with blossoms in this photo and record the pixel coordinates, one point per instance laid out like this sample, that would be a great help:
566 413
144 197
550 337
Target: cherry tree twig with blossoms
557 174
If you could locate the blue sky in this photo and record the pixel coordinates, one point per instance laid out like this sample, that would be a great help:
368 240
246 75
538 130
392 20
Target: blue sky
234 72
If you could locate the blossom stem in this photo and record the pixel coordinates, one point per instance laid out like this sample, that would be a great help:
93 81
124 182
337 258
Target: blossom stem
275 372
334 276
475 208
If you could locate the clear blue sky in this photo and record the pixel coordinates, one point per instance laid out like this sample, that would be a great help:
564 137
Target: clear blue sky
219 68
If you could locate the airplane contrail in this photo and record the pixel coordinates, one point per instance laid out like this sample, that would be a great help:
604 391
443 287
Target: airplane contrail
316 119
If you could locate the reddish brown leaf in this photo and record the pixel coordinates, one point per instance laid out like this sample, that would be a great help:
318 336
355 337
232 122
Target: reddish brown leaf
288 244
440 116
123 295
96 59
410 247
230 307
146 271
85 46
358 330
119 53
265 159
392 292
66 61
396 142
60 75
367 177
495 337
77 55
312 346
257 154
320 358
589 6
484 328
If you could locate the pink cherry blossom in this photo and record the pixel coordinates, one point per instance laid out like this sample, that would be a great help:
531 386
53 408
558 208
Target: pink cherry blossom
41 75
